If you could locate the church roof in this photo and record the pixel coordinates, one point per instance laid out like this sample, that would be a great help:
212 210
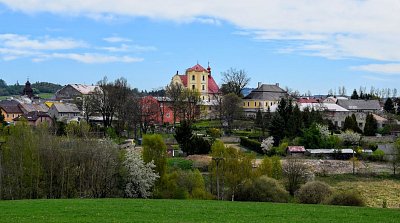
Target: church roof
183 79
197 68
212 86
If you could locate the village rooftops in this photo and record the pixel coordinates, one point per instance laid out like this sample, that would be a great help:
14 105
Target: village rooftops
360 105
267 92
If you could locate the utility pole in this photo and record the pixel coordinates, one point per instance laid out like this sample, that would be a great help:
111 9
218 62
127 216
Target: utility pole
217 160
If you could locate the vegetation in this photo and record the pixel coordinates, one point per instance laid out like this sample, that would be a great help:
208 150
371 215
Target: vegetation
251 144
314 192
38 88
142 210
346 198
263 189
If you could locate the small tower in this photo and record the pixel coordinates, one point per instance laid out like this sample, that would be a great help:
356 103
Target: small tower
28 89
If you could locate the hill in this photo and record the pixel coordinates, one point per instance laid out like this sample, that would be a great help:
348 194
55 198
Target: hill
140 210
38 88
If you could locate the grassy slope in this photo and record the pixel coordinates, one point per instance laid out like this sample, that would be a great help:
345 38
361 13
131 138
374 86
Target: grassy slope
374 190
136 210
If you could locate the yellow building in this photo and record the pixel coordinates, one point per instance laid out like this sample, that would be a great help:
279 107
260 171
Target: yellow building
10 109
200 79
264 97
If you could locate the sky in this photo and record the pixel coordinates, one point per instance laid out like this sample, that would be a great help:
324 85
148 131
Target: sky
306 45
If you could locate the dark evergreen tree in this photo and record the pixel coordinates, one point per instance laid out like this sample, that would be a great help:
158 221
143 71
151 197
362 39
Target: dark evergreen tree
389 106
371 125
276 128
295 123
183 135
354 95
350 123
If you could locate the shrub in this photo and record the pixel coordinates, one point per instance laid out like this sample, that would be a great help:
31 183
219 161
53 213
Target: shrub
262 189
251 144
180 163
377 155
346 198
313 192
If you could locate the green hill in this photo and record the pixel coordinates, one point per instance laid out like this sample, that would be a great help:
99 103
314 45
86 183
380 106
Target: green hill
140 210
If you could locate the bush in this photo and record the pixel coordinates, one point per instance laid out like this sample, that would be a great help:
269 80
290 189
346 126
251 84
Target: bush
346 198
377 155
313 192
180 163
263 189
251 144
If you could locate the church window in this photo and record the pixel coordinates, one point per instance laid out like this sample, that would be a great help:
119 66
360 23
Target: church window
202 87
193 87
193 77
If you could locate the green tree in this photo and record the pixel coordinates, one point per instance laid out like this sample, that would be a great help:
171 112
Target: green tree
276 128
276 167
354 95
371 126
154 149
312 138
389 106
183 135
350 123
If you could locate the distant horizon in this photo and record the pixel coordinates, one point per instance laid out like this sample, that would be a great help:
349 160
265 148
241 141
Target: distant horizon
307 47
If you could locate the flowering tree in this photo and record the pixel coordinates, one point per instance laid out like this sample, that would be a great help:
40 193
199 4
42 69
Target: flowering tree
141 176
323 130
267 144
350 138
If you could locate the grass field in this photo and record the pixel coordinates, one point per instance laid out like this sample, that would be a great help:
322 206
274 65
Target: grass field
138 210
373 189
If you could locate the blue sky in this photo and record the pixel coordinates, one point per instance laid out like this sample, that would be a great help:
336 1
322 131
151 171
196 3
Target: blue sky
304 45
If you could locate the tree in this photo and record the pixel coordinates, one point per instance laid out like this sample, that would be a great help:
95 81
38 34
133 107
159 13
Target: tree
395 160
389 106
267 144
140 175
183 135
154 149
234 81
354 95
231 109
276 128
350 123
312 138
294 172
174 93
371 125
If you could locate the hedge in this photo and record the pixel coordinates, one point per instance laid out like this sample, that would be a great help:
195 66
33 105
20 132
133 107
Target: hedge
251 144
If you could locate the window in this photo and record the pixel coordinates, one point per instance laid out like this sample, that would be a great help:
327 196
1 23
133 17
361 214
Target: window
248 104
203 98
203 87
204 78
193 87
255 103
193 78
244 104
259 103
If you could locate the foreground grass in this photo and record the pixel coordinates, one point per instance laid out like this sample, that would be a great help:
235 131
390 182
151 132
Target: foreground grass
138 210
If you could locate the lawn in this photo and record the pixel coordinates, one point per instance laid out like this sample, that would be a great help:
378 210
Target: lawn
138 210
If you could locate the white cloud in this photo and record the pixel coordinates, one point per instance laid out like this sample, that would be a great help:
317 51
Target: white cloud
15 41
388 69
373 78
116 39
89 58
342 28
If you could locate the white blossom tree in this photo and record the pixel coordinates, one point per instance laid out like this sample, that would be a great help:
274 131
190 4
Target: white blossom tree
323 130
141 176
350 137
267 144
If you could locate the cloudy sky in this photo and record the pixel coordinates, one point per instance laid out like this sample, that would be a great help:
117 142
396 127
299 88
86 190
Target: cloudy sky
303 44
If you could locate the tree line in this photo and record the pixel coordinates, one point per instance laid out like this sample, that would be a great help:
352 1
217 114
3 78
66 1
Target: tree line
37 87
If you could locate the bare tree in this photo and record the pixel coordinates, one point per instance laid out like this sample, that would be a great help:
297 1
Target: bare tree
231 109
295 173
234 81
174 93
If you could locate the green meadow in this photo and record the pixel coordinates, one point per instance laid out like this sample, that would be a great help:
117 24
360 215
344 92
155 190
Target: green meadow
140 210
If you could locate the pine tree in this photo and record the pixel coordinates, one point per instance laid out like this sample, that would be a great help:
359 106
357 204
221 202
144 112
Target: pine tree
276 129
354 95
389 106
371 126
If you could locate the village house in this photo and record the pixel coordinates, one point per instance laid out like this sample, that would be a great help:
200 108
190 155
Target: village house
73 91
360 105
35 118
64 111
264 97
10 109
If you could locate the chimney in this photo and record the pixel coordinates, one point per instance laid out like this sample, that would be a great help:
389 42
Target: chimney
277 84
259 84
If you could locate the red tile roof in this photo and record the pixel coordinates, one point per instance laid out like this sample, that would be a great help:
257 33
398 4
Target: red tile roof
296 149
197 68
183 79
212 86
307 100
